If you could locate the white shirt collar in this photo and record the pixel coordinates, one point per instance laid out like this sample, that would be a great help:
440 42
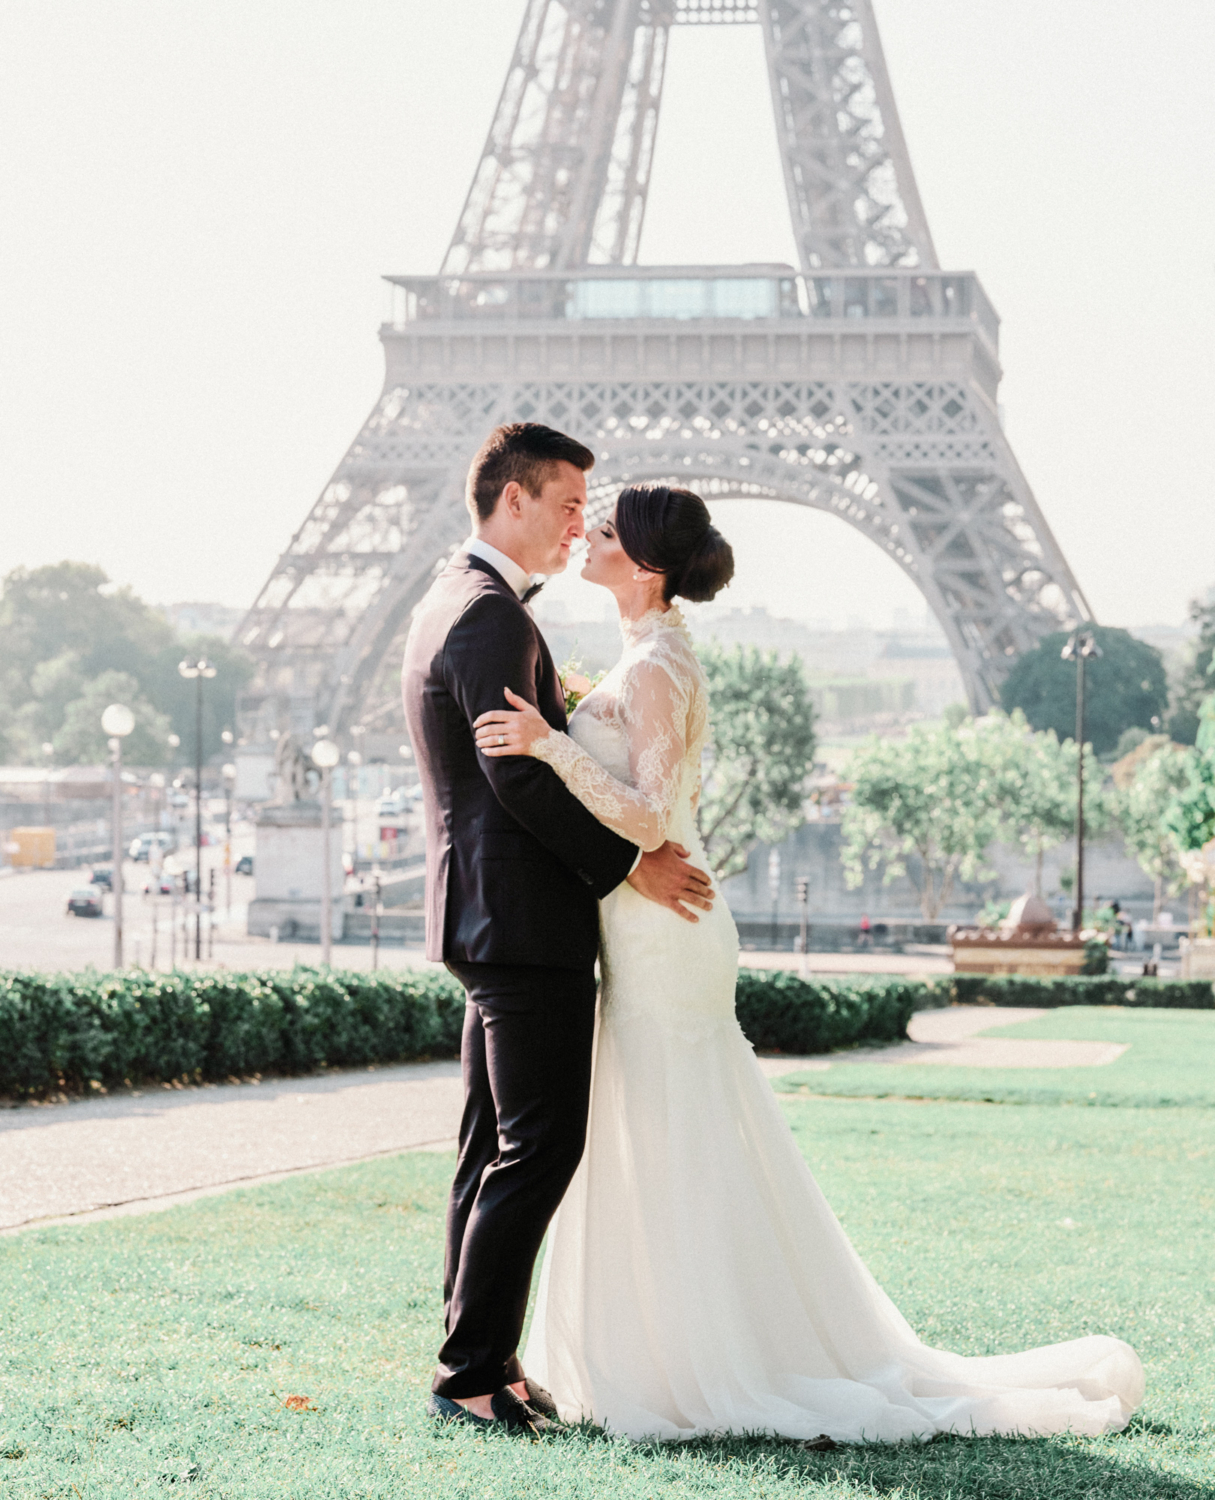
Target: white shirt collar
510 570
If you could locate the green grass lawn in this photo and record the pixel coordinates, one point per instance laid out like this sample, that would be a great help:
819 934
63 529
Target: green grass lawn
159 1349
1170 1061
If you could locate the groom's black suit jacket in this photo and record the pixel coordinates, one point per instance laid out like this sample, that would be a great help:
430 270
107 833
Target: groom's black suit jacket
515 865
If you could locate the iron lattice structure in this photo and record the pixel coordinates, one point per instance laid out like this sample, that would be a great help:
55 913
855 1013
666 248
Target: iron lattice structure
862 382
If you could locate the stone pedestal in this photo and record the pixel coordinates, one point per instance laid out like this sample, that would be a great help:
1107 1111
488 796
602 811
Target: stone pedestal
1198 959
287 865
1026 942
255 776
987 951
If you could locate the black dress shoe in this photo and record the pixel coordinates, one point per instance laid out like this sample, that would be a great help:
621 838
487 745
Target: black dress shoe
443 1410
540 1399
519 1416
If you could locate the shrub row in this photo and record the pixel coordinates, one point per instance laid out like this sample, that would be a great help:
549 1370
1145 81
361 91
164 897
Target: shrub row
1053 991
779 1012
70 1031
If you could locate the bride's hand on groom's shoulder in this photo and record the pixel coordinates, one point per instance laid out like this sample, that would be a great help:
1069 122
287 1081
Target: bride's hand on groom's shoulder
510 731
665 876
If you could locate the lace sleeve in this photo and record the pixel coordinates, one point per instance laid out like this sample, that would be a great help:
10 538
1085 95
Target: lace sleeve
654 710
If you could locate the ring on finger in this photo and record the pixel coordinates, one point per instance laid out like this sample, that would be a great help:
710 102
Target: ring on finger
501 739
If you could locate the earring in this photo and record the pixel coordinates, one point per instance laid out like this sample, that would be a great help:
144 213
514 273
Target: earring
638 575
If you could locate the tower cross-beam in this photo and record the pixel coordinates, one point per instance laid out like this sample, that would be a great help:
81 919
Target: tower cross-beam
862 382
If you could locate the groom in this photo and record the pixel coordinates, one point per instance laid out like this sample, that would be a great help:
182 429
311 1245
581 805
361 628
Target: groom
515 868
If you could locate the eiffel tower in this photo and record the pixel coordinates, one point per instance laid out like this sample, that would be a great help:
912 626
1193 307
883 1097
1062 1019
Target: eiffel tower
861 382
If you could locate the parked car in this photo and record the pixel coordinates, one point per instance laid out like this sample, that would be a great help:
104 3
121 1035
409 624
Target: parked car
159 885
244 865
85 902
397 804
141 848
103 875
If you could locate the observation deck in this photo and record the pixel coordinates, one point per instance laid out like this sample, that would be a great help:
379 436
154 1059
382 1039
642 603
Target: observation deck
712 321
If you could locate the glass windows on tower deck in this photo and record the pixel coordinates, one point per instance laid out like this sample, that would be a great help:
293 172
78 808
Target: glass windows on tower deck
681 297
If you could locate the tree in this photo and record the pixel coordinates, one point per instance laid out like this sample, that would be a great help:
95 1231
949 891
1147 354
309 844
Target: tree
935 795
1199 677
53 685
1124 687
73 607
62 627
945 794
1190 818
1039 789
1152 783
760 751
177 695
81 739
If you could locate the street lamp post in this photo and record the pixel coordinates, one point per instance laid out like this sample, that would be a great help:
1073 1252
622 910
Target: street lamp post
156 854
117 721
774 891
1080 647
357 731
353 778
802 887
196 671
326 755
229 775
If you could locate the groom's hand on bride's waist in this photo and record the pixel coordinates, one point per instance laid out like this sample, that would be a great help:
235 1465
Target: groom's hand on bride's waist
665 876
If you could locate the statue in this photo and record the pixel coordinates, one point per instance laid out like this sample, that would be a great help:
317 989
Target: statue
1030 917
292 771
290 854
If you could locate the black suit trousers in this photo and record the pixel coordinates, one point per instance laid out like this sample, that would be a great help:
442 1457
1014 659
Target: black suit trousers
526 1058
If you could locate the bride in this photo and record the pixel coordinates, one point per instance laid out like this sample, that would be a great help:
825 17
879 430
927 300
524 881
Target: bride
696 1279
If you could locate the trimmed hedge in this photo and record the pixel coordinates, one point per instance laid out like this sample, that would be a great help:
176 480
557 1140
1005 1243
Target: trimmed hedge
74 1031
779 1012
1053 991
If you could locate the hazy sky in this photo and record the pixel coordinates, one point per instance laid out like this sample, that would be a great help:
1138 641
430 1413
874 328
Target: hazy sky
199 201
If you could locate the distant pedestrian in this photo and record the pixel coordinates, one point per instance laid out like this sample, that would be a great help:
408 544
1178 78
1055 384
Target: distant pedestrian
866 932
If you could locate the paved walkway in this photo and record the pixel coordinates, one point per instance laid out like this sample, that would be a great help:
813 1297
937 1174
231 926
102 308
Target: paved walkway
153 1148
949 1037
923 961
156 1147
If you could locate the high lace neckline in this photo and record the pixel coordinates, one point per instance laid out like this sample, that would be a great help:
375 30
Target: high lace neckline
654 622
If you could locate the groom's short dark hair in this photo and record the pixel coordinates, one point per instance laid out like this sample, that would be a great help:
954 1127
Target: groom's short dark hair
524 452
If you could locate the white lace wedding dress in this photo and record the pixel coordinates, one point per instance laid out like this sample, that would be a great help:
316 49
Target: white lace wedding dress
696 1279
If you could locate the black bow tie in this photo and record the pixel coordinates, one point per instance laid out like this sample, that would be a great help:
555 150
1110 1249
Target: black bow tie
531 591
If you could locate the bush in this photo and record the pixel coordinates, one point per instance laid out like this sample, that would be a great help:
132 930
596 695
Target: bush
73 1031
1106 989
1096 957
779 1012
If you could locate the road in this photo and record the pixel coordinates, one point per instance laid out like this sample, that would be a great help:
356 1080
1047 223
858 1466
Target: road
37 933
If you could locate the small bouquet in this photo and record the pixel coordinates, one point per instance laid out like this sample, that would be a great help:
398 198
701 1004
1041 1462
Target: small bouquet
575 684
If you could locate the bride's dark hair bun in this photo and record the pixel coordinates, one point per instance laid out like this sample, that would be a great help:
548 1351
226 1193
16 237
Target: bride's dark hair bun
669 531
